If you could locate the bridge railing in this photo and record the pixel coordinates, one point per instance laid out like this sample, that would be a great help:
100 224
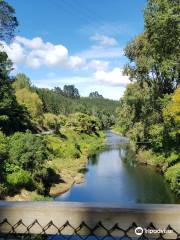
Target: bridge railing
80 220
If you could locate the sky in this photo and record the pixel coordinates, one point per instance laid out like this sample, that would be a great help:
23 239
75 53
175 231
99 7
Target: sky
77 42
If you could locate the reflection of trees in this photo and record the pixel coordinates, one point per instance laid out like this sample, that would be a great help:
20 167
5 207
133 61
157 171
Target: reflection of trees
127 154
93 159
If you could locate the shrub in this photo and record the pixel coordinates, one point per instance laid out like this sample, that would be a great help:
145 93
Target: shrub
28 151
83 123
3 147
173 177
51 121
20 179
63 149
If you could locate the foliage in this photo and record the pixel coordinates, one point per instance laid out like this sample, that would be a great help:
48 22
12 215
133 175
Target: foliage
24 156
20 179
71 91
3 148
95 95
31 101
173 176
83 123
149 112
21 81
56 103
13 117
153 54
27 151
51 121
8 21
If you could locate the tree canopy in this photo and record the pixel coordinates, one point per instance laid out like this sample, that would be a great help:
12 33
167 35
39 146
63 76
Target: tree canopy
8 21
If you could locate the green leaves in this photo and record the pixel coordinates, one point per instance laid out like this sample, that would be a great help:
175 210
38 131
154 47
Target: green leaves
82 123
27 151
8 21
154 54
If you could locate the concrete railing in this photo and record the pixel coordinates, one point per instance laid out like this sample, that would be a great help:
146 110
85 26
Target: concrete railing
49 217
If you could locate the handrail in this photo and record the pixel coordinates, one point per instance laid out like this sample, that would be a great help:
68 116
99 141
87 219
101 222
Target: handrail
51 217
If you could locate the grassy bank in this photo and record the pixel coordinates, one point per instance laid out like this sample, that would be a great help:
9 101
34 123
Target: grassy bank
69 153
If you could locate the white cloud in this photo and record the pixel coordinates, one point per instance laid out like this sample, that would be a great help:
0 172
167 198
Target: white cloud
97 52
36 53
104 40
35 43
15 52
76 62
113 78
98 65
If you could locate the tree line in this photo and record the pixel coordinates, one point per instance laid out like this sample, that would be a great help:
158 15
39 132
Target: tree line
149 112
27 111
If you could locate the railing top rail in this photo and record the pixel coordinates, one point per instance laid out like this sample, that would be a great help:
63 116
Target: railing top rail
112 205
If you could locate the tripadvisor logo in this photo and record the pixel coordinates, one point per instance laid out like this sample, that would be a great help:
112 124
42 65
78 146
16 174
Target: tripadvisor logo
139 231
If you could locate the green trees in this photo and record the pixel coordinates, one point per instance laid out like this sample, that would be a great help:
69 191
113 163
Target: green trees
26 166
52 122
162 27
28 98
154 54
8 21
82 123
150 108
71 91
56 103
13 117
95 95
21 81
27 152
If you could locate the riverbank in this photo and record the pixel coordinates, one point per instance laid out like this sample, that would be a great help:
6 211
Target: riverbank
111 178
70 152
170 171
166 166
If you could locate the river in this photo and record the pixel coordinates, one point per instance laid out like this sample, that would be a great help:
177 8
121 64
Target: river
111 179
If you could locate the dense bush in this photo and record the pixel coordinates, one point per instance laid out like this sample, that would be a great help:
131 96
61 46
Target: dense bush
51 121
3 148
28 151
83 123
20 179
173 176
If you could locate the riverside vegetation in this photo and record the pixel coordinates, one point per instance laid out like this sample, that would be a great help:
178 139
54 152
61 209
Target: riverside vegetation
149 112
47 135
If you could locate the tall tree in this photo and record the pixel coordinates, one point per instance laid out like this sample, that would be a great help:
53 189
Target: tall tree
71 91
12 116
154 54
95 95
21 81
8 21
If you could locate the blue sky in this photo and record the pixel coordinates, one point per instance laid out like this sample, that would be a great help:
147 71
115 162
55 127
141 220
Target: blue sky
76 42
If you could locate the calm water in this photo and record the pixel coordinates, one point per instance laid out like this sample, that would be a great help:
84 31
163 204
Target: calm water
112 179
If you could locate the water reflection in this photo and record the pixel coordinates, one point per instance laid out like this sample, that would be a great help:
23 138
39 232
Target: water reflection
114 176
